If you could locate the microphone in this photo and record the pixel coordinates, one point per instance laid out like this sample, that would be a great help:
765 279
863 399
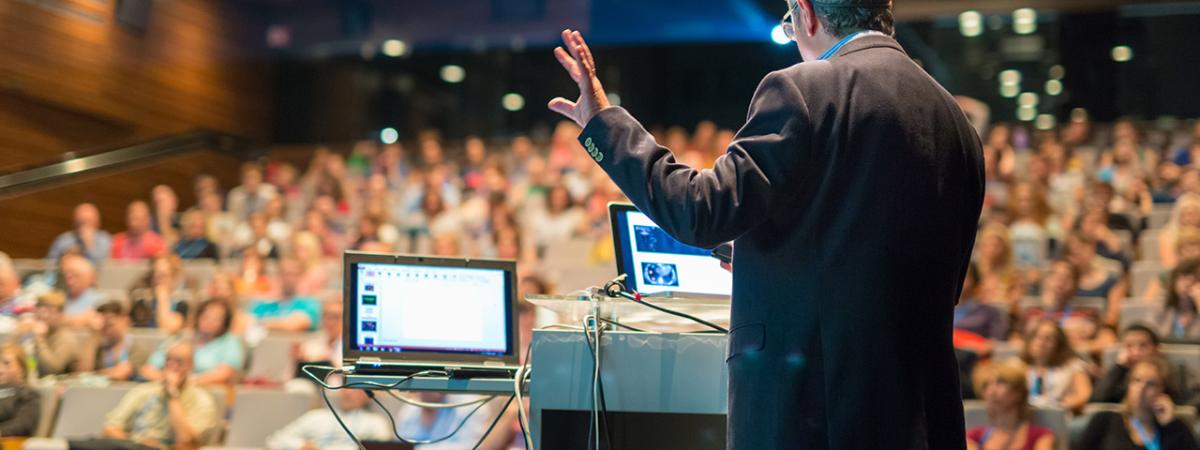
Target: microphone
616 288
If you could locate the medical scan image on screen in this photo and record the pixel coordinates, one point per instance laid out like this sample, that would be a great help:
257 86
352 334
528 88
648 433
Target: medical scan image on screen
659 263
431 309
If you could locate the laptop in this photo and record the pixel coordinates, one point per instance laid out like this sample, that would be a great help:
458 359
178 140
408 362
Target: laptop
658 265
406 314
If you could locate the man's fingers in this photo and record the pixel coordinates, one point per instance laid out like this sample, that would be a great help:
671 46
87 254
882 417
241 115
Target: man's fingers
572 44
568 63
563 106
585 51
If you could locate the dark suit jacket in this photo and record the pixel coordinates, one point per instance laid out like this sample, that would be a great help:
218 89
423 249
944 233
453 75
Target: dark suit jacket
852 194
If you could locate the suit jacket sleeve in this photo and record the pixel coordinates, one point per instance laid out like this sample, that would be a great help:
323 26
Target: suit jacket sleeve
707 207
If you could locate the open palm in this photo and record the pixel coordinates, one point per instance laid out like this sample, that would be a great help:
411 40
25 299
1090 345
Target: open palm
577 60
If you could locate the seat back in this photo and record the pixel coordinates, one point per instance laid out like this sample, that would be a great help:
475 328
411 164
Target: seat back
83 410
257 413
272 358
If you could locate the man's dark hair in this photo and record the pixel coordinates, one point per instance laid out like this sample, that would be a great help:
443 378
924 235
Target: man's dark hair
112 307
842 19
1139 328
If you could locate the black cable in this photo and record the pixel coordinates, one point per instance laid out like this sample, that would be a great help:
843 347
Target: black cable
494 421
325 397
396 432
616 288
603 403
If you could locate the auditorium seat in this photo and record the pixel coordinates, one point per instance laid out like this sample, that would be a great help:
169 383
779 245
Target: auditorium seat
199 272
49 409
1135 311
81 413
120 274
1005 351
1142 273
1148 242
257 413
1097 303
272 360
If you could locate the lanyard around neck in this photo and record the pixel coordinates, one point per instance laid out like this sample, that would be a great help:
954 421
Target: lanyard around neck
1151 444
838 46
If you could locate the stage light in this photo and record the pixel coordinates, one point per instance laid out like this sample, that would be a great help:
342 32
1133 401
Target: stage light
1009 90
453 73
394 48
512 102
614 99
389 136
1044 122
778 36
1025 21
1026 113
1027 99
1057 72
1010 77
1053 87
1122 53
970 23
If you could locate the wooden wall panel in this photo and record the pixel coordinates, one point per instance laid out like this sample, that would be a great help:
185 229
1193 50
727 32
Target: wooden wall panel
73 79
28 224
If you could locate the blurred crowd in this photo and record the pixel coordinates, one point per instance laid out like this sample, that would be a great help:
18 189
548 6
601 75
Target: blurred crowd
1084 284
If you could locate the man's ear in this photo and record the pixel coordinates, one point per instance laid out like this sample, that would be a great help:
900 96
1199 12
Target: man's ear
808 23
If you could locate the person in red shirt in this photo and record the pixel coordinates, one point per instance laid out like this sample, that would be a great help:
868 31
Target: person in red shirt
138 242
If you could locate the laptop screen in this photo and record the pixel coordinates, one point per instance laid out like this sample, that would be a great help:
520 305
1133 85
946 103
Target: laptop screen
655 262
430 308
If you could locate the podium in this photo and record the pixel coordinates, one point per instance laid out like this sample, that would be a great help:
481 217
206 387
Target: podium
663 390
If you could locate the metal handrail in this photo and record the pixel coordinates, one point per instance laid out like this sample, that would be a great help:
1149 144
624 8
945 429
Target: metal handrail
20 182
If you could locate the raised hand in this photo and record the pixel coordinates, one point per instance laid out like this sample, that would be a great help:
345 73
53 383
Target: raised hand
577 60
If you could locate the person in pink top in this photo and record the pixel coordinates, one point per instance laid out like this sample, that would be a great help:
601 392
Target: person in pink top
138 241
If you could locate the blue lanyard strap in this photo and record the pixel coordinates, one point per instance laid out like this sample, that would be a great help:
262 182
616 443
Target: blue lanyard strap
1151 444
839 45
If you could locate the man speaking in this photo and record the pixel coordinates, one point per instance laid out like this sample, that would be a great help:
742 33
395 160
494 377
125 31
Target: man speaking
852 195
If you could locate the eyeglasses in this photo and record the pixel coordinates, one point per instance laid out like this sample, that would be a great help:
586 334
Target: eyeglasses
789 28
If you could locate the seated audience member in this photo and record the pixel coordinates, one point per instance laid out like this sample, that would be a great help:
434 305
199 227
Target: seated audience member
1081 325
166 413
425 424
1005 391
159 301
252 195
252 280
59 350
1179 319
86 238
1186 213
219 355
307 251
1147 418
116 355
977 325
1098 276
1138 343
1184 273
1108 244
325 346
291 312
138 241
12 301
1057 378
79 280
165 213
20 405
317 429
194 243
999 279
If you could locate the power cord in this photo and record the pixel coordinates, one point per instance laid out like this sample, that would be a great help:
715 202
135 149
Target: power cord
323 383
600 407
616 288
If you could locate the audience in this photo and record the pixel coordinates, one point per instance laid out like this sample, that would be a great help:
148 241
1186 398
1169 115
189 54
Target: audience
116 355
317 429
977 326
86 238
1138 343
1005 392
58 349
290 311
1179 316
218 354
12 300
1081 324
427 424
1147 418
159 301
194 243
79 281
171 411
20 405
252 195
138 241
1057 378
